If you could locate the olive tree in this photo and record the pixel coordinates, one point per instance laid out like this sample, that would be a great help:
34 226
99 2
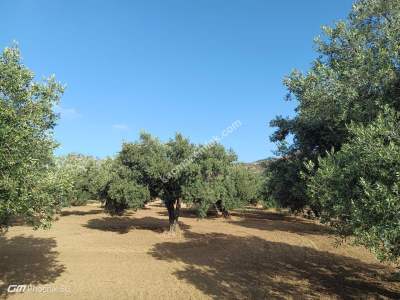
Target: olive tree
154 164
123 190
27 119
82 171
248 184
355 74
209 182
178 171
358 187
339 153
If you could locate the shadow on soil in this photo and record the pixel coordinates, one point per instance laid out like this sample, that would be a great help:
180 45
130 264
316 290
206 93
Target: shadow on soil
184 213
192 214
27 260
66 213
123 225
263 220
230 267
274 221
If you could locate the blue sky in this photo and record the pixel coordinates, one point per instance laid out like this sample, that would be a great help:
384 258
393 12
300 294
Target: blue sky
166 66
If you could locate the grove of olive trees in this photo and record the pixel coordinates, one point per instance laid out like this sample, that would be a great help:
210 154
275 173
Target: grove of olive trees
208 177
338 157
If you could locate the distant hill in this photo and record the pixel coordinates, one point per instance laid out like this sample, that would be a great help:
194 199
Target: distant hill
259 165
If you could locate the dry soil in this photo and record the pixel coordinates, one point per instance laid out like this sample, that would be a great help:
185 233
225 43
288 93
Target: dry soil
257 254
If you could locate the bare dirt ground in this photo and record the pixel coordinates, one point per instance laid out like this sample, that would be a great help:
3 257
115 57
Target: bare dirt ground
257 254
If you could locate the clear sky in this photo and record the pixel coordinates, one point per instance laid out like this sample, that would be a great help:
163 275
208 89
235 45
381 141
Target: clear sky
193 66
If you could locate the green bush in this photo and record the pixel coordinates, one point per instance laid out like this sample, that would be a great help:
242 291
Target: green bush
177 171
248 184
82 172
27 120
284 186
119 183
209 182
124 192
355 73
357 188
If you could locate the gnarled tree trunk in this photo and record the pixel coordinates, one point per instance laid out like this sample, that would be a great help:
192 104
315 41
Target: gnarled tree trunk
222 209
173 208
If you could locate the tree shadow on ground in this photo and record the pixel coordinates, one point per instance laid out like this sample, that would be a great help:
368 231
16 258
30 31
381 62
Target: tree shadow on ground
275 221
230 267
123 225
183 213
263 220
28 260
191 213
66 213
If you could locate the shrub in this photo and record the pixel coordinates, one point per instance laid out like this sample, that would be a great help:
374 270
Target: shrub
82 173
357 187
27 119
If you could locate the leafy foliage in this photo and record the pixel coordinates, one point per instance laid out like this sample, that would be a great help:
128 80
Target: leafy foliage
356 73
248 184
123 190
208 181
26 142
82 174
357 188
340 129
178 171
283 183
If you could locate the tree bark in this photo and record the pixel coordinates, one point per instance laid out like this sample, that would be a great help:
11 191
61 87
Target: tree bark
222 209
173 208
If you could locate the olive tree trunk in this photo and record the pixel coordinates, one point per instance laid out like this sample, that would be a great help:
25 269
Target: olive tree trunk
222 209
173 208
